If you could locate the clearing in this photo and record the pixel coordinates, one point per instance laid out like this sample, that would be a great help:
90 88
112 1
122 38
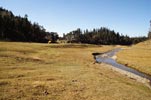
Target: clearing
33 71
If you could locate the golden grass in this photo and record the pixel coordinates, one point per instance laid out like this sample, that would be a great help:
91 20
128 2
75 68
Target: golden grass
137 56
31 71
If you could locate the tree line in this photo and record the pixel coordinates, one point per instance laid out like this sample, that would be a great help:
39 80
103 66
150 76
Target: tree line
149 35
101 36
17 28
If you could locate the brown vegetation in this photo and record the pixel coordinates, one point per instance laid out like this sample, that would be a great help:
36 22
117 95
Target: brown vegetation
30 71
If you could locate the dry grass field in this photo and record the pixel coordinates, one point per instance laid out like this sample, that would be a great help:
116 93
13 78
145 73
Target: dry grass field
137 57
32 71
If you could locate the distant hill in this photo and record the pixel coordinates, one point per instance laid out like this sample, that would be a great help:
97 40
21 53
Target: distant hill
16 28
101 35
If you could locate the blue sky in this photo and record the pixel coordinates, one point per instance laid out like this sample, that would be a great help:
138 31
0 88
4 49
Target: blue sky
129 17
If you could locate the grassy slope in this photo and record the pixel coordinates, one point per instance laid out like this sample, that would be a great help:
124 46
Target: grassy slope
30 71
137 56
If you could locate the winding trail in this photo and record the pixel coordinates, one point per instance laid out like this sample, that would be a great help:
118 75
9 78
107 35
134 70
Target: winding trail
110 58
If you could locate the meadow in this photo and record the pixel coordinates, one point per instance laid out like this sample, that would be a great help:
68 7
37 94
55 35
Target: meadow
34 71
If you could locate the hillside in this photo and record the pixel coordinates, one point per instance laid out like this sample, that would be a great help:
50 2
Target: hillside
137 56
32 71
17 28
